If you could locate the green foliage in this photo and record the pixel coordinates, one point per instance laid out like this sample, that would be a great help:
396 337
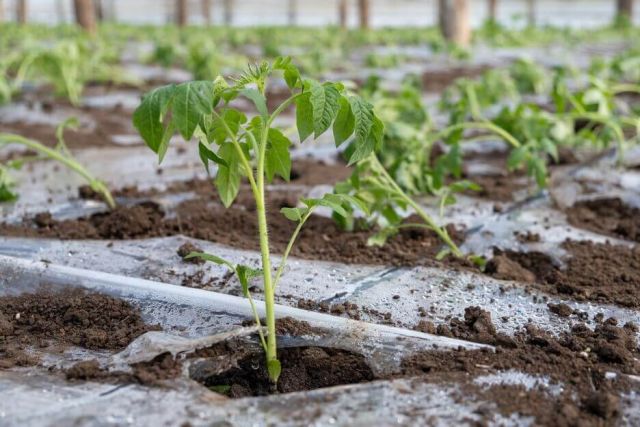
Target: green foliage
251 148
59 153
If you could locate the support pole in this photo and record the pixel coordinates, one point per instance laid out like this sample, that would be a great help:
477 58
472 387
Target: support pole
1 11
99 7
624 10
85 15
21 11
492 10
342 13
206 12
453 17
181 13
363 13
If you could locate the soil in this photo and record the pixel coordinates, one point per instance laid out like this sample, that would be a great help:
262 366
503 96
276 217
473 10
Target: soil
578 360
611 217
438 80
599 272
320 239
499 188
303 368
63 318
107 122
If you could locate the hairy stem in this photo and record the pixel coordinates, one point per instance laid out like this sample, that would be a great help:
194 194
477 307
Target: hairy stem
269 292
292 240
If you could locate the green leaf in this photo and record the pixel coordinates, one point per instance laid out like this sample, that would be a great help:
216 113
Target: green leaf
372 142
258 100
381 237
192 101
324 101
294 214
538 168
211 258
232 119
291 72
228 177
304 116
550 148
363 122
354 201
278 158
147 118
245 274
332 201
344 124
517 157
206 155
274 368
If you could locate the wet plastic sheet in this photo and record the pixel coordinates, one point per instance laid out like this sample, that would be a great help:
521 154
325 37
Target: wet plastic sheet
375 290
40 400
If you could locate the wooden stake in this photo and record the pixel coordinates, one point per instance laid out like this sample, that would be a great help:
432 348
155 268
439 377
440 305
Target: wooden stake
21 11
492 6
363 11
85 14
182 13
342 13
625 9
206 11
1 11
99 10
453 18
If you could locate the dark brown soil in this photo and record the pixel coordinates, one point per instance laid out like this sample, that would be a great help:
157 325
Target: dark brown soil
578 360
320 239
611 217
499 188
67 317
438 80
303 368
303 173
107 123
598 272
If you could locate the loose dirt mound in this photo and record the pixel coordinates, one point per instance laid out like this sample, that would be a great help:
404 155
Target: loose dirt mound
68 317
578 360
611 217
598 272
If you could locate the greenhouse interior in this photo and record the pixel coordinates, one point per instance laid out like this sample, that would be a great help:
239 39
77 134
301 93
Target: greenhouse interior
319 213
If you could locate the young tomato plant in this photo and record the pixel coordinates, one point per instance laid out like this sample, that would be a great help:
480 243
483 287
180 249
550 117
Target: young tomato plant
253 149
59 153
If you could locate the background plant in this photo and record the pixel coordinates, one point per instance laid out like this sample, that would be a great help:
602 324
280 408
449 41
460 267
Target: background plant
59 153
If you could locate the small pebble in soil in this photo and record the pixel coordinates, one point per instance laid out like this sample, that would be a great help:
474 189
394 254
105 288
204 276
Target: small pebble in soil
185 249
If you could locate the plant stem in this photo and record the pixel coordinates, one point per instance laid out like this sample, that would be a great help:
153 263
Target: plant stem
440 231
292 240
269 292
484 125
71 163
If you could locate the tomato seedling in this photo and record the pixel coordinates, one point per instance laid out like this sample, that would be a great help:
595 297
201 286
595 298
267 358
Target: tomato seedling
254 149
59 153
